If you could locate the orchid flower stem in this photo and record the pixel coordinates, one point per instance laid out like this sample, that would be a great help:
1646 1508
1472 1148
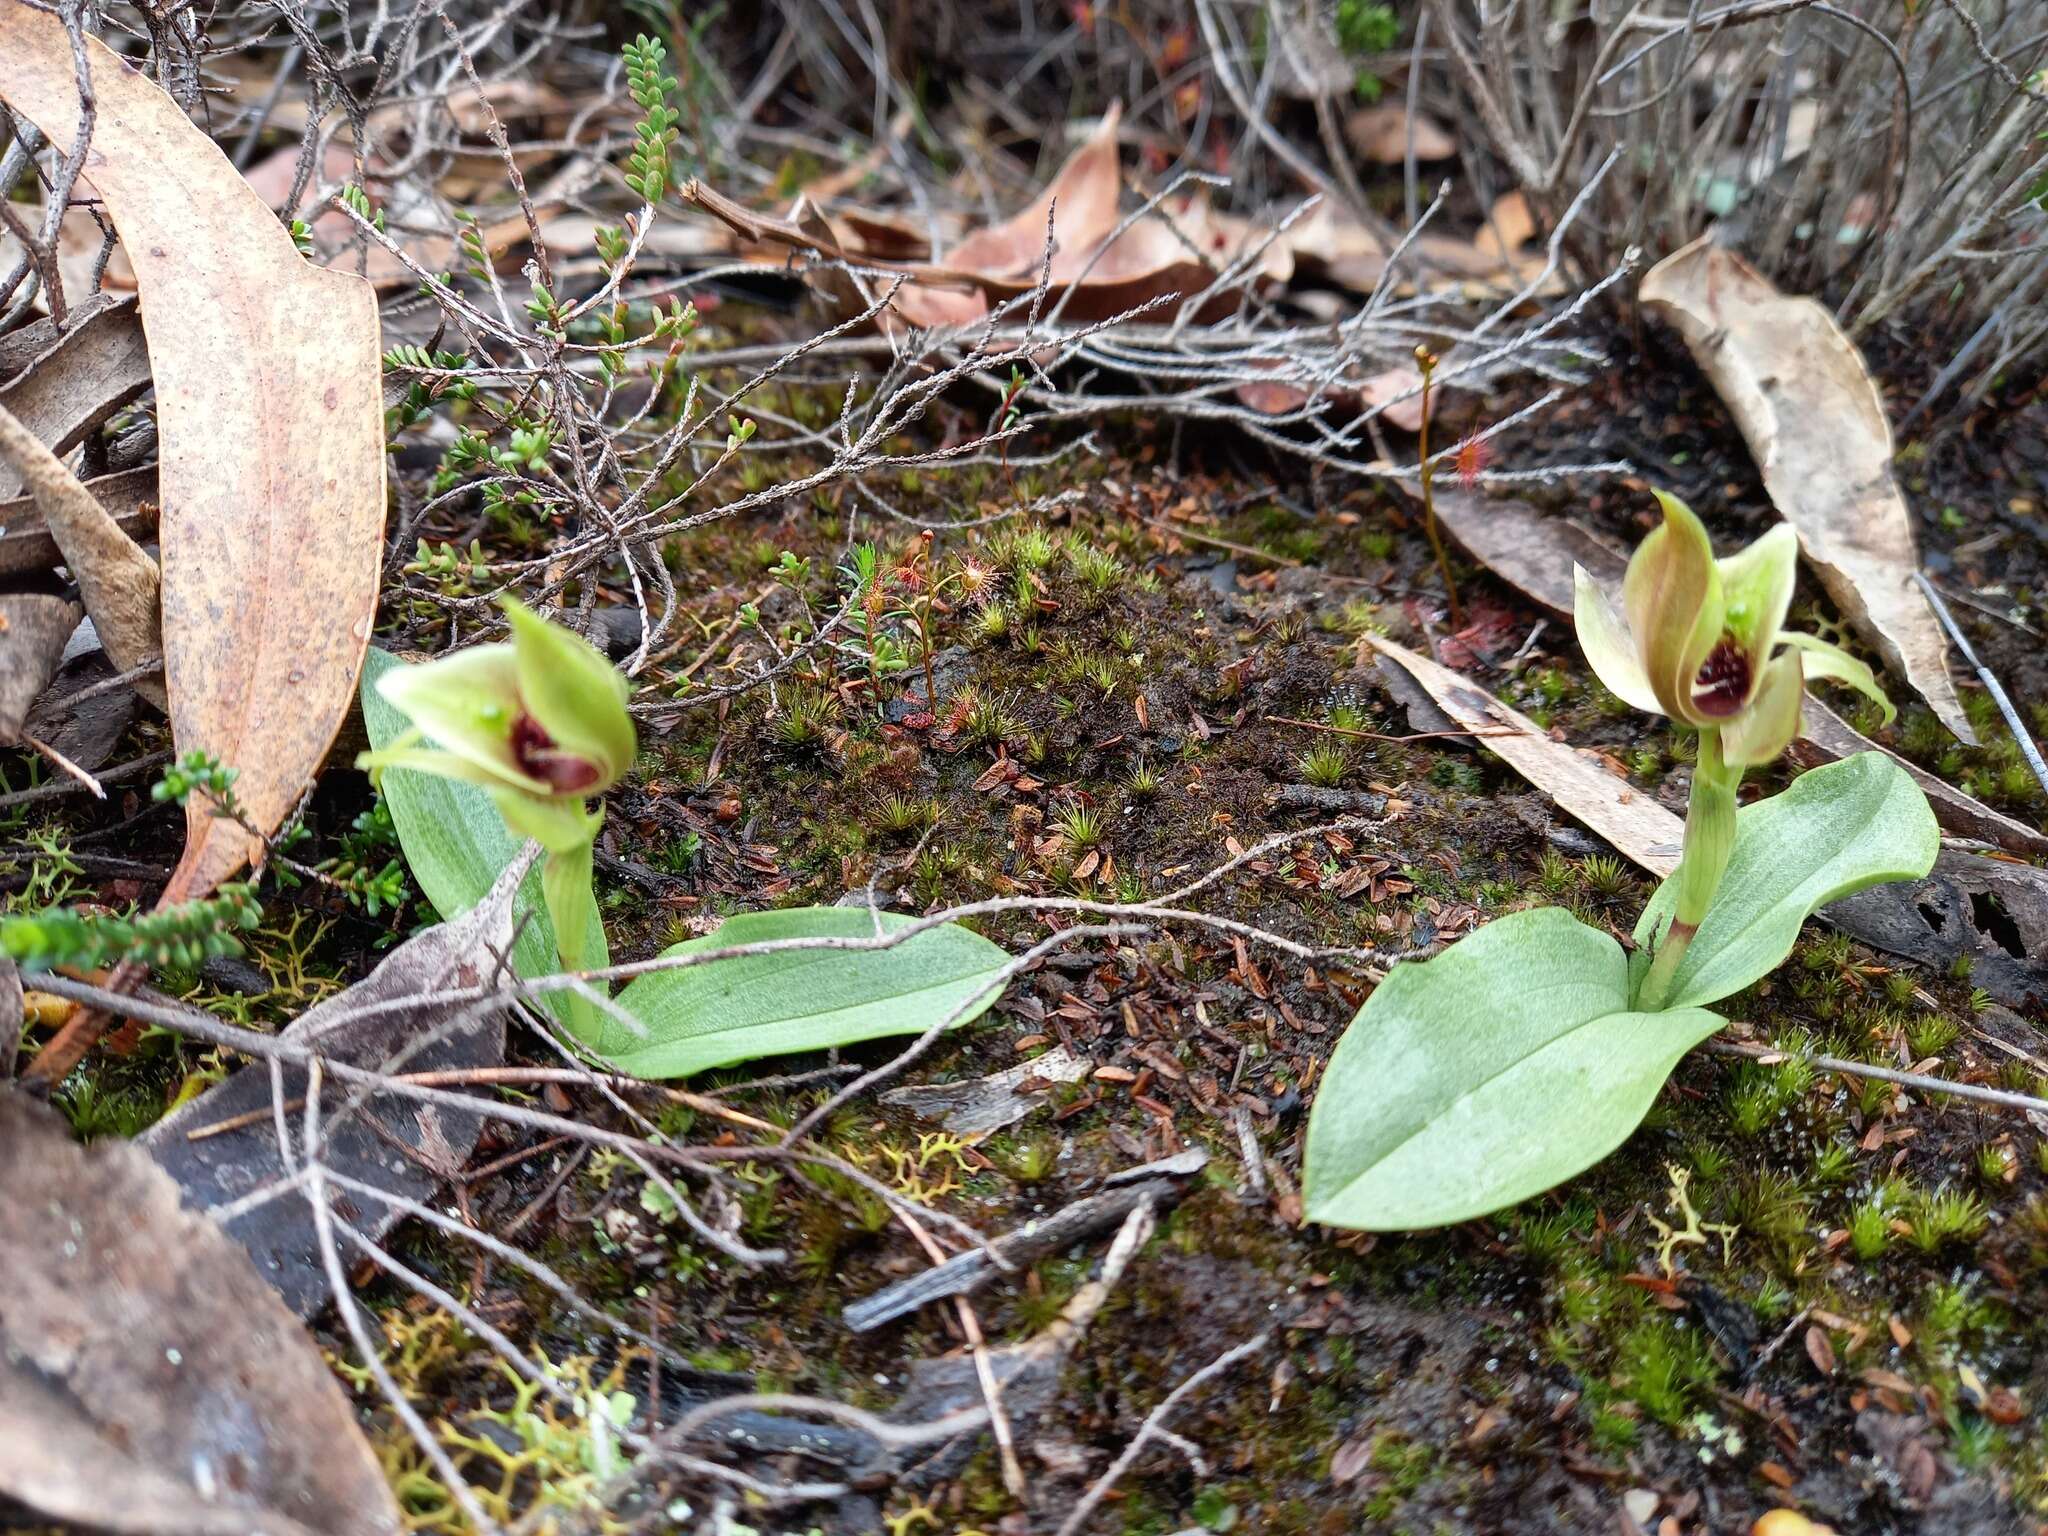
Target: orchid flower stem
1709 839
566 882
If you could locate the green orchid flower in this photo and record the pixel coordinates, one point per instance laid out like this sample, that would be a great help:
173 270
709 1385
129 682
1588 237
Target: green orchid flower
540 724
1704 641
1701 639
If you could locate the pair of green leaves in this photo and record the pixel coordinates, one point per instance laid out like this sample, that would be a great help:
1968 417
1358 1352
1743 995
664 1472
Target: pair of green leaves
1515 1060
702 1016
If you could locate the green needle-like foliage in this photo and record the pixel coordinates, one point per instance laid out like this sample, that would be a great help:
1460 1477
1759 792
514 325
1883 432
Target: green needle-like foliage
184 935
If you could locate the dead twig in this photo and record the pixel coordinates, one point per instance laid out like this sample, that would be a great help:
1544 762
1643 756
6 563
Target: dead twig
2021 736
1154 1427
1920 1081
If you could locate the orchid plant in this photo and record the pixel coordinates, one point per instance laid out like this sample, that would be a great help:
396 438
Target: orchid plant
1705 643
489 746
540 725
1533 1047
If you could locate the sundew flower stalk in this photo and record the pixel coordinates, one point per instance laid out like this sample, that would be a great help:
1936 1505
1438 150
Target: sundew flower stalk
1703 641
539 723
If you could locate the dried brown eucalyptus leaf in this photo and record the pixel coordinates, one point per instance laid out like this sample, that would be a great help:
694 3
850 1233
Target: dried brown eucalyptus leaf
267 380
149 1379
1532 551
1815 422
1627 817
116 579
1384 135
1094 272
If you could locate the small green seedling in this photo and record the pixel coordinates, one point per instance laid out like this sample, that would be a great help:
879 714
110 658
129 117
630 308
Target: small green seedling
1532 1048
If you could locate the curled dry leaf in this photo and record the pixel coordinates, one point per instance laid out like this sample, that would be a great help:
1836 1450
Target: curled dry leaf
1635 824
1331 245
271 424
1534 552
1083 195
1815 422
26 543
1179 250
117 580
77 380
33 629
215 1168
25 343
84 727
1381 134
150 1382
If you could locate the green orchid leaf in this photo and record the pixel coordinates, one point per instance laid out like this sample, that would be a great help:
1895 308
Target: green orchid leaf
727 1011
456 844
1486 1075
1855 823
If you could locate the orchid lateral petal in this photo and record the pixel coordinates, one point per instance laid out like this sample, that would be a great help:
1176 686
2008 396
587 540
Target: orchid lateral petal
1767 726
1835 665
574 694
1673 597
466 704
1609 648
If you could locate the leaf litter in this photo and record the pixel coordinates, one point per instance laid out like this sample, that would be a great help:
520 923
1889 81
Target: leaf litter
150 1380
272 468
221 1147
